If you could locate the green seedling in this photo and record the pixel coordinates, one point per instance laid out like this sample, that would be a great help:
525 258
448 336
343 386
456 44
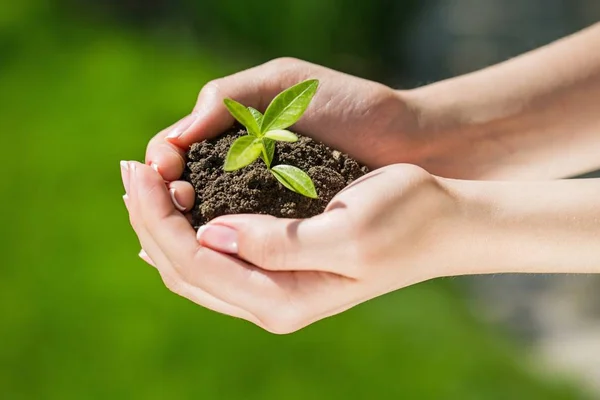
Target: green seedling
265 130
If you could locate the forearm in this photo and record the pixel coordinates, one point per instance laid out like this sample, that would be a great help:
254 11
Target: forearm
534 117
527 227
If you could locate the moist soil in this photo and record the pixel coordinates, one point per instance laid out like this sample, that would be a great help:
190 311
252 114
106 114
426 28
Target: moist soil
253 190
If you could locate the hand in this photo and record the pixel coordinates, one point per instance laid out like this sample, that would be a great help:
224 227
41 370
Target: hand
367 120
392 228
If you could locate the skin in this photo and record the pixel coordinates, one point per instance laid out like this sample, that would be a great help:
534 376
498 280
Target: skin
438 202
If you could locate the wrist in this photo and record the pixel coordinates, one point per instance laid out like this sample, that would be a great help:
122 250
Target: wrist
445 138
525 227
486 125
461 134
439 130
462 229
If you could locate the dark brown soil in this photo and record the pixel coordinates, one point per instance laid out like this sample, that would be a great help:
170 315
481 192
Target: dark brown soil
254 190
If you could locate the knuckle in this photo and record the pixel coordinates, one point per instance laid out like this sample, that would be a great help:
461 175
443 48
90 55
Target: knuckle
285 62
290 70
212 87
271 252
411 172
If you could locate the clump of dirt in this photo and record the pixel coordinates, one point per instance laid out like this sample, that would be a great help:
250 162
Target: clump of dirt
253 190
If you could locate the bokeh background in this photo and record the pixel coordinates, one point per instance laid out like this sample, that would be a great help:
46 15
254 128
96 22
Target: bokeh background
84 84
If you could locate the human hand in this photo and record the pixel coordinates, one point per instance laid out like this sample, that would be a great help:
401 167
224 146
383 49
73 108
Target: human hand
392 228
367 120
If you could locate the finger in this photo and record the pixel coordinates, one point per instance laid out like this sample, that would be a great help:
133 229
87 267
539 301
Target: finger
144 256
222 276
152 254
315 244
182 195
282 302
125 176
167 158
254 87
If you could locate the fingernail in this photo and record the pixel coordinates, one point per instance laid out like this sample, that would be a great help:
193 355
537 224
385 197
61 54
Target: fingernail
218 237
182 126
155 167
131 175
144 256
176 203
125 175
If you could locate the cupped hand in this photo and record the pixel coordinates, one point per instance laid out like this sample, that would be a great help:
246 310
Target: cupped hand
392 228
369 121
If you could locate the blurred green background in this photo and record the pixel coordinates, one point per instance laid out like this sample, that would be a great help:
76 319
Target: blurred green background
84 84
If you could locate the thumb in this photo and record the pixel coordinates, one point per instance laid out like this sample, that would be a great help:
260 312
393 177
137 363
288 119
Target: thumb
276 244
254 87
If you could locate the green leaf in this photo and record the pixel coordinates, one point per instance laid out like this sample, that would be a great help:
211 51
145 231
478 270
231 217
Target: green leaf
243 115
242 153
287 108
295 179
257 115
268 151
281 135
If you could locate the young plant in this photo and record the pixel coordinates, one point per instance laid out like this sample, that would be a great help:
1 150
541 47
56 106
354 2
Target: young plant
265 130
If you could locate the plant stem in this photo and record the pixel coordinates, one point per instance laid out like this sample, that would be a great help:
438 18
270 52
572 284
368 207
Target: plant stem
265 157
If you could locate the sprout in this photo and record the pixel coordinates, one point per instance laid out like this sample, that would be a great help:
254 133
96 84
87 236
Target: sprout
265 130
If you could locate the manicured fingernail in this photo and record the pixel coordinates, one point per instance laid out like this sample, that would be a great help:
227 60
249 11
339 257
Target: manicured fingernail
144 256
218 237
125 175
182 126
131 176
176 203
155 167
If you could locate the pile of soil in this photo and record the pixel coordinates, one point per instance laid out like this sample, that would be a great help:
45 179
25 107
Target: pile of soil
253 190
